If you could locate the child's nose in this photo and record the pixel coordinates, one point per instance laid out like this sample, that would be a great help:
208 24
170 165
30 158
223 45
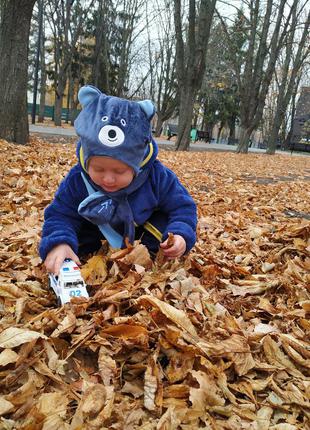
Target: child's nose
108 178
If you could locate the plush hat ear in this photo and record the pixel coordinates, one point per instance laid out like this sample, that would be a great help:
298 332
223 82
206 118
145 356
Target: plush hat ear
87 94
148 107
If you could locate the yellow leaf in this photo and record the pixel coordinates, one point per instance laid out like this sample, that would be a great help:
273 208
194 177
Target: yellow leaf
94 272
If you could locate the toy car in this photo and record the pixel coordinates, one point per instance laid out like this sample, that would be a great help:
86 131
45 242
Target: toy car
69 283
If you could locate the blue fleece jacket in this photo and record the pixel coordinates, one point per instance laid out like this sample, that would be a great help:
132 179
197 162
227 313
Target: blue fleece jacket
160 193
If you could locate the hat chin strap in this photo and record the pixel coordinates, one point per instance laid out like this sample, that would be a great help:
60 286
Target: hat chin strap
149 155
81 157
143 163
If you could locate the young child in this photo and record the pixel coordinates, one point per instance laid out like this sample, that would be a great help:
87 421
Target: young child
118 189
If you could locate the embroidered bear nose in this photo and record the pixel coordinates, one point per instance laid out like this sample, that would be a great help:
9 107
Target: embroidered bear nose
112 134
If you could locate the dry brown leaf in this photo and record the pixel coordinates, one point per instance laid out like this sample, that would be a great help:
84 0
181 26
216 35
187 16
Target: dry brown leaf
50 404
138 255
107 367
179 366
54 363
133 388
14 336
8 356
208 394
174 314
126 331
5 406
90 406
235 309
275 356
150 388
67 325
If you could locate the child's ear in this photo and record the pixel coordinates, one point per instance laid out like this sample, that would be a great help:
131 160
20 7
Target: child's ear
148 108
87 94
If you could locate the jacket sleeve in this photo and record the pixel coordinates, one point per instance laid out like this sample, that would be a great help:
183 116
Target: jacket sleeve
175 201
61 219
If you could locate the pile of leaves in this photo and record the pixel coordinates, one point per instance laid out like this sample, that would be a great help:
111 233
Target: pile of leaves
216 340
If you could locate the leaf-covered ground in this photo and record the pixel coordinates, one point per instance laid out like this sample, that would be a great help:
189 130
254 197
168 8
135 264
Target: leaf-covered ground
218 340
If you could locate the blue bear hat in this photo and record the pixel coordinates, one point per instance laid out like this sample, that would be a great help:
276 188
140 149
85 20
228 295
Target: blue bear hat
113 127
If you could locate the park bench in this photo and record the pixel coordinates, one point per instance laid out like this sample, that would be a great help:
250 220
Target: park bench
172 130
202 135
49 112
302 144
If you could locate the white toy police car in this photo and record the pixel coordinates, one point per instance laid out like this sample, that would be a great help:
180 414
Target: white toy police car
69 283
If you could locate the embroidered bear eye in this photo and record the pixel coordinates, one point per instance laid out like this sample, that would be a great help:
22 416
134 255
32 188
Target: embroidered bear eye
104 118
123 122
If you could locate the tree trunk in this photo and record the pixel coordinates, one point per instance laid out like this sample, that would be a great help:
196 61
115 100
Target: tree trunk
43 79
243 145
69 98
219 132
42 96
210 131
59 98
74 107
273 136
58 109
191 60
292 115
14 36
159 125
232 130
185 120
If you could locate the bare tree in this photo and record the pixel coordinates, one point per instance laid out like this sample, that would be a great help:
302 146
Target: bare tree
66 29
130 11
115 27
15 19
102 31
190 59
43 75
289 73
161 52
266 29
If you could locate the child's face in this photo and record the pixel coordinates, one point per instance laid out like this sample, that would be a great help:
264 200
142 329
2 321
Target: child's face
110 174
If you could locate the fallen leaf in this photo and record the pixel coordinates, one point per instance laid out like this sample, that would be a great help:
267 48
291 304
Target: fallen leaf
13 336
8 356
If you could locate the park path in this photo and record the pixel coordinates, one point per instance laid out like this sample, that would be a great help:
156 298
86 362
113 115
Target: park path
48 131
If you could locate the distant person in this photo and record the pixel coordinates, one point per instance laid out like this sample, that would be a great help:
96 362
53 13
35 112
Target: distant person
118 189
169 133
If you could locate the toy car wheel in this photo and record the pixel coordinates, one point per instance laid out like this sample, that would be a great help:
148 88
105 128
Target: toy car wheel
49 284
59 304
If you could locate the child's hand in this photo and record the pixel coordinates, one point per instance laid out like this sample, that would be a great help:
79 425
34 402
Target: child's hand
57 256
177 249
